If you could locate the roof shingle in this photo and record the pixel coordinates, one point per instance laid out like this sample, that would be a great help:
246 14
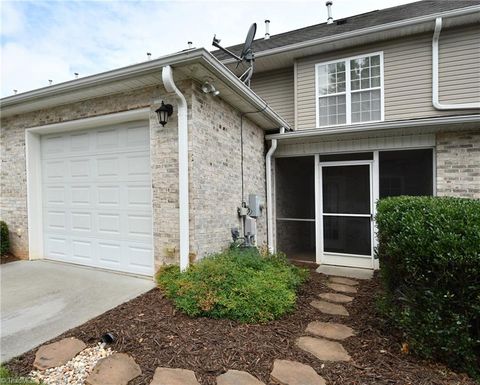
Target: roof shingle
352 23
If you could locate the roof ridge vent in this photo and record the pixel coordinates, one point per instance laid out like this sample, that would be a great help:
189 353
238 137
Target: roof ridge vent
329 4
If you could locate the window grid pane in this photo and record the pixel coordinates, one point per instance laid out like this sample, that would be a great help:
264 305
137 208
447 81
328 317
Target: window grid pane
332 110
331 78
363 74
366 106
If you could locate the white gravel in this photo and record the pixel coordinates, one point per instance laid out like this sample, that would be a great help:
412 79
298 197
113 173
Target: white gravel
75 371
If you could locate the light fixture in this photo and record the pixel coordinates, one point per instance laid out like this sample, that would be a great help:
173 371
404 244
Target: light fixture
209 88
163 112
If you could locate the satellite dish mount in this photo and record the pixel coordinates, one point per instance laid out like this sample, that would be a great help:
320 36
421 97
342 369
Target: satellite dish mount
246 55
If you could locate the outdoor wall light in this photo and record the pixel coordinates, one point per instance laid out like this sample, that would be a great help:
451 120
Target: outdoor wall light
163 113
209 88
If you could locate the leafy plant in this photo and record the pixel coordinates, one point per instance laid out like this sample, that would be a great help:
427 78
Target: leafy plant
429 251
4 238
238 284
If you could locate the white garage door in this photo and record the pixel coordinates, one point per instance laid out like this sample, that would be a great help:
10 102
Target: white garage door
97 205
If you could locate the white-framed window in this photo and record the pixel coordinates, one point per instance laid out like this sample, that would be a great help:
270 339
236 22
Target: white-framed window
350 90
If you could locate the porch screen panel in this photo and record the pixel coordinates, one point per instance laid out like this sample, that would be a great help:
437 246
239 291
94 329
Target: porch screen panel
408 172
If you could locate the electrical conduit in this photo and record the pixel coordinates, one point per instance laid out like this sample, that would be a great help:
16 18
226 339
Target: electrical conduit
169 83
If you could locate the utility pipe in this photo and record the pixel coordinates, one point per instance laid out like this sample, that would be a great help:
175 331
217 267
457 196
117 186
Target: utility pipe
268 165
169 83
435 92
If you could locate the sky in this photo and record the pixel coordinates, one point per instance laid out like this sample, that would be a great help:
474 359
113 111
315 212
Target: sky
42 40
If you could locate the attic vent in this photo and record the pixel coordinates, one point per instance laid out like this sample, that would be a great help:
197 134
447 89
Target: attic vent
341 21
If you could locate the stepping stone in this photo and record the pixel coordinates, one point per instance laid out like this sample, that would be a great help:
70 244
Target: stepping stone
57 353
335 297
330 330
324 350
167 376
117 369
237 377
329 308
342 288
294 373
343 281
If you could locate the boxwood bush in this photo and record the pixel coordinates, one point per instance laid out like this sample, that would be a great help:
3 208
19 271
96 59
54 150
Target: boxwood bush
429 251
4 238
238 284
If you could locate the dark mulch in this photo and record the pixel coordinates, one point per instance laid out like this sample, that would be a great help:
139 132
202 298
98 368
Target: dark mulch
8 258
150 329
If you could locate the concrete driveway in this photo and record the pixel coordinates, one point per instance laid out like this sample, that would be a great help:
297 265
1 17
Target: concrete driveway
42 299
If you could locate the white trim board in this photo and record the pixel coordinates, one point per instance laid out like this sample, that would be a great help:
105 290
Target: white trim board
34 170
368 143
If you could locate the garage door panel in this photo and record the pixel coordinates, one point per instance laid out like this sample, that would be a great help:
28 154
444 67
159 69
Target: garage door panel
82 251
55 195
137 137
55 220
108 139
53 145
97 198
138 165
139 255
139 226
109 224
57 247
108 166
79 142
109 196
82 221
139 196
79 169
80 195
55 170
110 253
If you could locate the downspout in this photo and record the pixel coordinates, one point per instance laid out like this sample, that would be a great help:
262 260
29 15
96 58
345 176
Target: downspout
270 203
169 83
435 85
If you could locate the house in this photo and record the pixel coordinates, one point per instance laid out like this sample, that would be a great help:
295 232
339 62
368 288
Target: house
338 115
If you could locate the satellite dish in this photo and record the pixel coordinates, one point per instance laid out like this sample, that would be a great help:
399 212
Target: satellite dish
247 47
246 55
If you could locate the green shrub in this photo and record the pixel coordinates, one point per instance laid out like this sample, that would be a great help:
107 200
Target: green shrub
4 238
239 284
429 251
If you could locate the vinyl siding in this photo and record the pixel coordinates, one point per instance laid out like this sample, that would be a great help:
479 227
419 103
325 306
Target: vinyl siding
408 75
276 87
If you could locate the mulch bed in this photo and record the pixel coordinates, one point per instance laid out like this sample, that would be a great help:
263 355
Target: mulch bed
155 334
8 258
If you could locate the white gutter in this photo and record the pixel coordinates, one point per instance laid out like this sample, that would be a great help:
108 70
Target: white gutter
184 215
198 55
364 31
388 125
270 203
435 86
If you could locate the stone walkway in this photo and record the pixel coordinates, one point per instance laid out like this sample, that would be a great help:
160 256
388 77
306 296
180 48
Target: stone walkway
70 361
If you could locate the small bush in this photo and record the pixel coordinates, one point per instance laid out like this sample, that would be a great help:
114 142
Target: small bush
429 251
238 284
4 238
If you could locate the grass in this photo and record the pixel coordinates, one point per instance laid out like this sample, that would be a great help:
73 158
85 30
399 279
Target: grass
6 377
238 284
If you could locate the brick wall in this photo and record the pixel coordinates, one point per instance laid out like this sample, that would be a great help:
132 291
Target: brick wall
458 163
216 172
164 161
215 183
